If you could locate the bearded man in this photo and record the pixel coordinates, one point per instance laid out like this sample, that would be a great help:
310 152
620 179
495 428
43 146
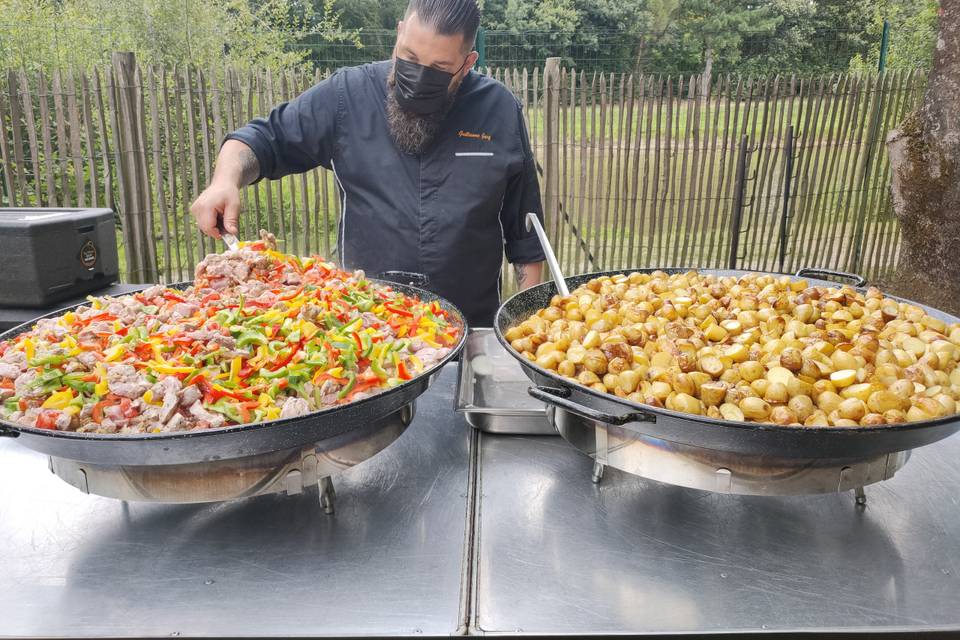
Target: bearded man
432 160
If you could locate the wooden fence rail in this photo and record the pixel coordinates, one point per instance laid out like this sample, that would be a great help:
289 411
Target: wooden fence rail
637 170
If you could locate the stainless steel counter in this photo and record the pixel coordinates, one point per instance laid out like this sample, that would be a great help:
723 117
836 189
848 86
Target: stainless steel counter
550 551
389 562
558 554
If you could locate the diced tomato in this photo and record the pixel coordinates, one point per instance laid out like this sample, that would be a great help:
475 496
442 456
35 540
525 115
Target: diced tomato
47 420
127 408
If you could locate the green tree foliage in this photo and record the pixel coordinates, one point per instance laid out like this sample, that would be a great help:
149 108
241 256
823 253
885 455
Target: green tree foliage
913 32
42 34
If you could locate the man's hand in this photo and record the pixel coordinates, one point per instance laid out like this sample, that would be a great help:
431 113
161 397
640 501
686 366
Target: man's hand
528 275
218 207
219 201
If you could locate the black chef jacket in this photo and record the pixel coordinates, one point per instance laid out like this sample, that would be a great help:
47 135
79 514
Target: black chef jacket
449 213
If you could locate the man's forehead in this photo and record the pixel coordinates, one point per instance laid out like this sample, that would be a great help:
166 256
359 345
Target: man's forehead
421 42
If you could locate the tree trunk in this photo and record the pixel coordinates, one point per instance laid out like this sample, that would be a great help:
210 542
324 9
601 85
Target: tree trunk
925 164
707 72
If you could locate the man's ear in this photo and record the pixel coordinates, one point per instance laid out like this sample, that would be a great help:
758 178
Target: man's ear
471 60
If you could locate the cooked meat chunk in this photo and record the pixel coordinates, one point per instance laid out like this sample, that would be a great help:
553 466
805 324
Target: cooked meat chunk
189 395
9 370
124 380
213 419
294 407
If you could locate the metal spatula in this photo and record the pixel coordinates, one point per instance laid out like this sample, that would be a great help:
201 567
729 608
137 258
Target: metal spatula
533 222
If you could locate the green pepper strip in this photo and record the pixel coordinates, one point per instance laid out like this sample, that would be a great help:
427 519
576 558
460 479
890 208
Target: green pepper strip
251 337
227 408
279 373
347 388
47 360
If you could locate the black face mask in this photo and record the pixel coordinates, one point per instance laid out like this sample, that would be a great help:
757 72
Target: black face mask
421 89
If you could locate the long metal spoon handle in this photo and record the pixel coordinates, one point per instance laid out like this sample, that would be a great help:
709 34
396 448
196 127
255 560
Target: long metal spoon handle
533 222
231 241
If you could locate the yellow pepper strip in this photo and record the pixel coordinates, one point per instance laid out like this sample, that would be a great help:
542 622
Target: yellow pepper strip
308 329
117 326
428 338
29 349
101 388
273 413
115 352
402 331
69 317
265 400
71 410
159 366
336 372
58 400
235 366
417 363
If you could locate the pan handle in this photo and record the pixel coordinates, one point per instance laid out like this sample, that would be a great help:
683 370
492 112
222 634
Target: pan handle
858 280
561 398
410 278
6 432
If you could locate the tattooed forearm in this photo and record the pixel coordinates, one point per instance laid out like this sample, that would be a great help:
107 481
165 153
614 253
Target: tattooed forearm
249 166
236 164
528 274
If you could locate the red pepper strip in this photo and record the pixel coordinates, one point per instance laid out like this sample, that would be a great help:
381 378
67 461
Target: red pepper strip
358 341
360 386
22 404
142 299
210 297
169 295
215 394
6 384
144 350
99 316
327 376
286 360
402 372
91 377
47 420
290 296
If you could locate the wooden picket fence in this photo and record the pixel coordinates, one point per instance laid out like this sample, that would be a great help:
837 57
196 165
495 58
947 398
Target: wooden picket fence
770 173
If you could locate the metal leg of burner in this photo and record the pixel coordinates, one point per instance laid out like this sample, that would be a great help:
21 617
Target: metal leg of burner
327 494
597 473
600 458
860 497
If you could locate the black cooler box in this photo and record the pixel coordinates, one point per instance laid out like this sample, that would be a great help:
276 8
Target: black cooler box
48 255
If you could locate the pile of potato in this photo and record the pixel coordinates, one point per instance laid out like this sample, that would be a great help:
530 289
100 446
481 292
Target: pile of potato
757 348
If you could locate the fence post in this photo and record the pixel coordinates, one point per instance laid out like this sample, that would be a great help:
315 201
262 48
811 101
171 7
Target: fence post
884 46
739 186
134 192
787 177
551 130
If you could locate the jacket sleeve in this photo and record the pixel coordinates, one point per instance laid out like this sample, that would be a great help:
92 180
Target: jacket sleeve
522 196
298 135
